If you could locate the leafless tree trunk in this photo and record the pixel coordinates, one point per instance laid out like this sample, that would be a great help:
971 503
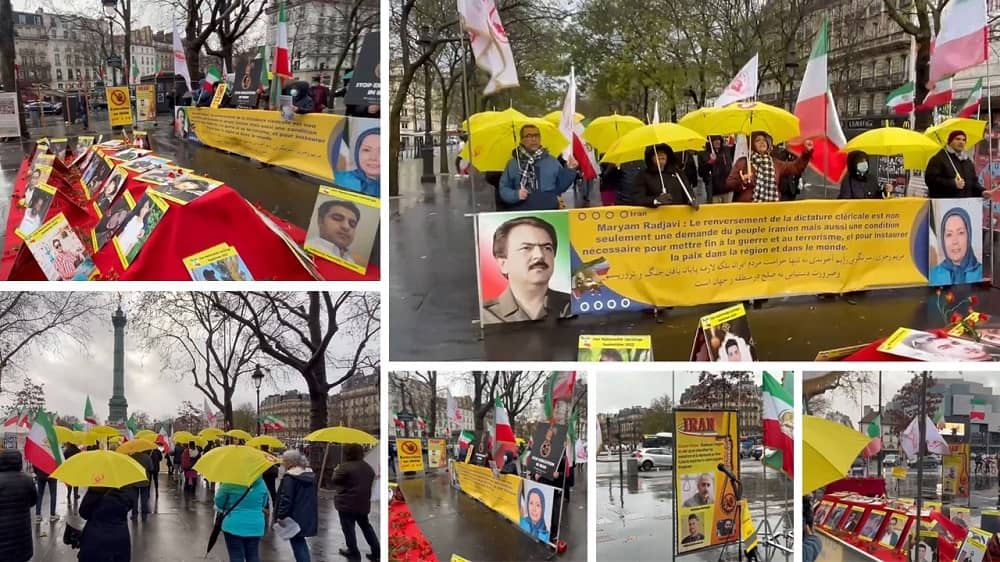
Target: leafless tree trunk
8 78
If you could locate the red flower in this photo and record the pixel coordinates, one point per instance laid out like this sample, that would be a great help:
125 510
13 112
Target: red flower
949 297
956 318
974 300
984 317
939 333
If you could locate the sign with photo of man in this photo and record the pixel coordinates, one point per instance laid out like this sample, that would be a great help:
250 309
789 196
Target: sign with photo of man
548 447
246 83
365 86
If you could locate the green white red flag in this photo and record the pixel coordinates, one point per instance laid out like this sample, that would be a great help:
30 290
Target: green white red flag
900 100
978 411
88 413
875 432
42 447
972 105
778 418
282 65
502 431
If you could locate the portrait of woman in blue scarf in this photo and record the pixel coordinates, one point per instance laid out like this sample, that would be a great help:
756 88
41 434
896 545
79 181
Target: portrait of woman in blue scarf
364 178
533 516
960 264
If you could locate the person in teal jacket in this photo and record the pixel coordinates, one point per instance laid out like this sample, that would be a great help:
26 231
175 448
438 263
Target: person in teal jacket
533 179
960 264
244 527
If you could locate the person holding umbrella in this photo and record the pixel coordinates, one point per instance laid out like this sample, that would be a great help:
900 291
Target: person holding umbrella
17 495
757 177
243 518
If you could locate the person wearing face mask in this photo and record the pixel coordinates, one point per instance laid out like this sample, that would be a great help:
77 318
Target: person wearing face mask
951 173
859 182
759 181
301 100
662 182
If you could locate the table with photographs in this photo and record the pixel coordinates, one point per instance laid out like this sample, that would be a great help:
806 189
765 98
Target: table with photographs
192 228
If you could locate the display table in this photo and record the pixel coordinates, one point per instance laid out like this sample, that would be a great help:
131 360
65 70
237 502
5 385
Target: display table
221 215
874 487
406 541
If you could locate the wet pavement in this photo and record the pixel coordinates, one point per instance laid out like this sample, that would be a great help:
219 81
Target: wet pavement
635 520
178 528
434 299
454 523
985 492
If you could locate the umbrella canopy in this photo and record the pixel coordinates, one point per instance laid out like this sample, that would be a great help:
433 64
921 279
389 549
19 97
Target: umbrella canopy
146 434
136 446
238 434
494 143
828 450
341 434
604 131
65 434
269 440
632 146
484 118
974 130
916 148
104 469
81 438
200 441
744 118
183 437
234 464
211 433
104 431
555 117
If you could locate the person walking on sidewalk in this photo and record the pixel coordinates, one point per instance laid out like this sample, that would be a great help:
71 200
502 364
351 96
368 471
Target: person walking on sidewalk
352 485
68 451
244 526
106 537
17 495
297 500
43 481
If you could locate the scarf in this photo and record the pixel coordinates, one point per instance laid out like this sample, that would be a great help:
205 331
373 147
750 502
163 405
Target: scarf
529 175
962 156
766 189
969 262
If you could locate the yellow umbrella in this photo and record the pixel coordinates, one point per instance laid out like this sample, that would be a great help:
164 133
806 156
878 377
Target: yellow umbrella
104 431
828 450
604 131
493 144
556 116
341 434
234 464
183 437
974 130
146 434
916 148
743 118
136 446
211 433
238 434
632 146
269 440
200 441
65 434
484 118
105 469
81 438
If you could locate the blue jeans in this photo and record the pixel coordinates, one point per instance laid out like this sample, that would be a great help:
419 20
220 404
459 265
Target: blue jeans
300 549
347 523
242 549
41 484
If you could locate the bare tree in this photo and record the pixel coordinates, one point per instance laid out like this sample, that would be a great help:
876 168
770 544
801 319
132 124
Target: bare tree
430 378
849 383
927 13
8 79
232 26
29 398
518 390
484 392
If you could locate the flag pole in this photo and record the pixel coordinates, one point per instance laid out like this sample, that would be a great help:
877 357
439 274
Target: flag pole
989 168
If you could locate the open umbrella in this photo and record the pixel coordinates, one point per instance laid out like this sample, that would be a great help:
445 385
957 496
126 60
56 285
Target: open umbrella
338 434
269 440
200 441
183 437
104 469
974 130
136 446
211 433
493 144
81 438
916 148
555 117
65 434
104 431
484 118
234 464
632 146
146 434
743 118
604 131
828 450
238 434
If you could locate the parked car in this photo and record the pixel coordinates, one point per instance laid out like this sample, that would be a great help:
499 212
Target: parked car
757 452
650 458
47 108
892 459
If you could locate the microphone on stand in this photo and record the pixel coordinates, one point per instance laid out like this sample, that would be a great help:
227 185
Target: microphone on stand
723 468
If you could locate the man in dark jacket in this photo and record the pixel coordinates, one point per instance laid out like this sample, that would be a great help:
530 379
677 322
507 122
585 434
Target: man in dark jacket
142 498
662 182
156 456
951 173
714 166
301 100
105 536
297 499
17 495
68 451
352 485
178 453
859 182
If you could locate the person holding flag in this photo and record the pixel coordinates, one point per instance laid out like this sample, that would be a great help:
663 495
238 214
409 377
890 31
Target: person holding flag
42 451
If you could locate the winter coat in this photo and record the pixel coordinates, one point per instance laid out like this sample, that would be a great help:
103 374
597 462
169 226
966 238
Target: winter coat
788 187
17 496
652 183
70 450
319 94
714 174
178 454
856 185
298 499
105 536
612 178
157 457
247 519
352 484
743 193
940 177
147 463
553 179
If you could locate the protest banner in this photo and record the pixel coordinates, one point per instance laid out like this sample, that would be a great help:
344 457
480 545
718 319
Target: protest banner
548 448
705 502
529 505
436 453
615 348
365 86
119 106
145 102
411 457
9 124
246 83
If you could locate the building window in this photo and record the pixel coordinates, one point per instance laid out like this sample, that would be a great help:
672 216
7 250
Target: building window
57 59
59 74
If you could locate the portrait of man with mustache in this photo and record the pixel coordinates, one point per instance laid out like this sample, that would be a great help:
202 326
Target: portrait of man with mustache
525 249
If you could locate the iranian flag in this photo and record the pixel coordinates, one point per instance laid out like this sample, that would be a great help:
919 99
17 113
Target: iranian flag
962 41
978 410
817 113
465 439
42 447
21 418
273 423
777 408
502 430
971 106
875 432
282 66
163 440
900 100
941 94
559 387
572 131
213 75
396 421
88 413
130 429
421 423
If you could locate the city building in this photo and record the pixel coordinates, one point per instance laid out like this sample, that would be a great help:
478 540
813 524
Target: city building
627 422
745 398
293 407
163 47
411 397
357 404
56 53
957 396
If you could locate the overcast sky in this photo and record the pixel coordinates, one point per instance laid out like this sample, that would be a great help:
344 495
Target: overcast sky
615 391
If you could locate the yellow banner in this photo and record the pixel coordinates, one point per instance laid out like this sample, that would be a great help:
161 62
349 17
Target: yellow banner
145 102
411 458
436 455
629 258
499 494
304 144
706 502
119 106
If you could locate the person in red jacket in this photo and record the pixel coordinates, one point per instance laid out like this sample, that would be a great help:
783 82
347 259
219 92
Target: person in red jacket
760 183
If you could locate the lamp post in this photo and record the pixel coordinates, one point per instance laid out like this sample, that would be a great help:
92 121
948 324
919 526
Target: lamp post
258 378
791 68
426 41
108 7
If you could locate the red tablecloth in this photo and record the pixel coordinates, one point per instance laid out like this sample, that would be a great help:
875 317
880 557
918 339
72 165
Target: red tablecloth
873 487
871 353
406 542
222 215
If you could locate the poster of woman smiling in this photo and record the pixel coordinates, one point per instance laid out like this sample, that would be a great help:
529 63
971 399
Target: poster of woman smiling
355 156
956 242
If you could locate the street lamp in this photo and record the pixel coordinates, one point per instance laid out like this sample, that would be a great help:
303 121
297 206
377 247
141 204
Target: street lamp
426 41
258 378
108 7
